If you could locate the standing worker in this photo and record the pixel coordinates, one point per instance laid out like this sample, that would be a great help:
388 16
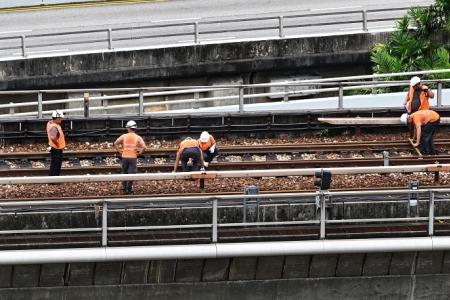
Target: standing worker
189 149
129 146
209 148
56 142
418 96
424 123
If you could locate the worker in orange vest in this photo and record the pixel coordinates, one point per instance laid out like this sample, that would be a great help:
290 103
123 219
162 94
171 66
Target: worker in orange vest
129 146
56 142
208 145
418 96
189 149
425 123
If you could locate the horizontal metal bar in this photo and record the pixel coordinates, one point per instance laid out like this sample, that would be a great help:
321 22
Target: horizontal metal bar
374 220
56 230
218 250
161 227
250 224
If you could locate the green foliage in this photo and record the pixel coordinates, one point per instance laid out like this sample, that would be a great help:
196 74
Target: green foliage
411 47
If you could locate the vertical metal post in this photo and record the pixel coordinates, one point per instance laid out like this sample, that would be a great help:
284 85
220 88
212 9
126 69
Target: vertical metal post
39 105
214 221
86 105
286 94
141 102
281 26
196 39
439 94
24 46
374 88
12 110
241 99
110 41
105 224
322 215
386 158
195 104
364 19
341 97
431 215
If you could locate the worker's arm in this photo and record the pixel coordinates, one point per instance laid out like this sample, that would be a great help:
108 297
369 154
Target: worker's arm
418 133
428 91
54 135
141 146
117 144
177 161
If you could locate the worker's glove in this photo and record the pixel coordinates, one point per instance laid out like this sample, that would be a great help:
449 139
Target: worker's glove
206 164
202 169
49 149
212 149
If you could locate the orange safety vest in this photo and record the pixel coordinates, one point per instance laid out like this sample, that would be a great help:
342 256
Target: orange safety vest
187 144
130 142
424 104
207 145
61 140
423 117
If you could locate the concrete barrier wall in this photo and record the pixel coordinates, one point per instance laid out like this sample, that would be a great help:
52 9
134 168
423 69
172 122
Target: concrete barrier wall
421 275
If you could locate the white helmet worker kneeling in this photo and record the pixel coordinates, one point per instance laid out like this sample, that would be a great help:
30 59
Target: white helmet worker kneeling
129 145
56 142
209 148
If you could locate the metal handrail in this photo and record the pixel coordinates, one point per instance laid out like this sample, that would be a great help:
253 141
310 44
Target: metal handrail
338 84
196 29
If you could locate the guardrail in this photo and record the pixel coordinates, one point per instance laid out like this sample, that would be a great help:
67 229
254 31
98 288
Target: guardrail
322 200
137 100
162 35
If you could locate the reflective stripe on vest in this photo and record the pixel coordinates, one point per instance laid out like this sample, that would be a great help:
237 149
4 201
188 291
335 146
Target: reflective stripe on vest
61 140
424 104
130 141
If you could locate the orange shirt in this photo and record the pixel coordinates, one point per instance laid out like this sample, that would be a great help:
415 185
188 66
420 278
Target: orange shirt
131 142
208 144
424 104
187 144
61 139
423 117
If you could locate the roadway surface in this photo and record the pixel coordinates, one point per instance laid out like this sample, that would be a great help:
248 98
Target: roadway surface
69 17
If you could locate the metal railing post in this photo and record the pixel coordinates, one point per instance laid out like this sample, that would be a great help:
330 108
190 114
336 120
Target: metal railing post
281 26
105 224
341 97
214 221
196 39
110 41
322 215
141 102
286 94
86 104
241 99
39 105
439 94
431 215
364 19
24 46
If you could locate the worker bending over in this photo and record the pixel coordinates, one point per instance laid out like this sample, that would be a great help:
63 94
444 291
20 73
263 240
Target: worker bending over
129 146
424 123
189 149
418 96
208 146
56 142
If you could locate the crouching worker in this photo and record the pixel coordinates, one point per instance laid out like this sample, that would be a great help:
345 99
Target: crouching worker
189 149
208 146
129 146
424 123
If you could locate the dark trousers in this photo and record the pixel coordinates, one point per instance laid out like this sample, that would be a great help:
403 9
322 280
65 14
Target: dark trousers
426 140
56 162
129 166
194 154
208 156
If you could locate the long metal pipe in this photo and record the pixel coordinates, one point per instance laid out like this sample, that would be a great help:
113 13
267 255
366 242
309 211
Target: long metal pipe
221 250
223 174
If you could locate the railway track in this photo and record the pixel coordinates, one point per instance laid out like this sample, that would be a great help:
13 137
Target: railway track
231 158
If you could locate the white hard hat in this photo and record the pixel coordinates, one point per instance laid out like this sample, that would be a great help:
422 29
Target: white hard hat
57 114
415 80
204 137
131 124
404 118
